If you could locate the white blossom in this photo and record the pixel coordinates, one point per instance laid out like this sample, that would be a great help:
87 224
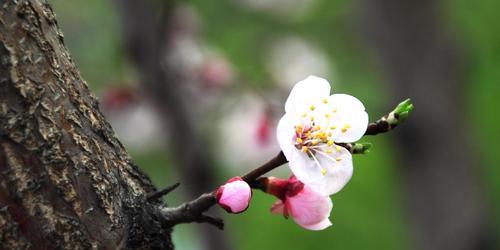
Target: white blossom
314 123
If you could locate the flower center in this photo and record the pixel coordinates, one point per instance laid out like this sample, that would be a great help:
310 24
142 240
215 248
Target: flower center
313 138
317 141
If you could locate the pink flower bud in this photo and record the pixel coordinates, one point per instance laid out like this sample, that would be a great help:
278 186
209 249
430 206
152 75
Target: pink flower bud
234 196
307 207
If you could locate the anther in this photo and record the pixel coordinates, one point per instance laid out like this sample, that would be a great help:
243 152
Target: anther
344 129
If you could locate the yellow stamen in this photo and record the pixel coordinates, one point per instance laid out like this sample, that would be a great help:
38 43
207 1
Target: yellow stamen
325 101
304 115
323 171
330 142
338 148
334 110
321 136
299 129
333 127
328 116
312 118
314 142
304 149
338 159
329 151
344 129
299 140
317 127
312 108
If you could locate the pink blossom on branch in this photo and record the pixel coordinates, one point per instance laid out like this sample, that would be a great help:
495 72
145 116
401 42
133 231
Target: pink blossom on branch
234 196
307 207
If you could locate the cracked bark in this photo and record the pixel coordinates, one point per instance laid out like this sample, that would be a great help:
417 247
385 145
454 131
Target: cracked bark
66 182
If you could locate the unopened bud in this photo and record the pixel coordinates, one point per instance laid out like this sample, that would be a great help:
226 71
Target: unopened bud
234 196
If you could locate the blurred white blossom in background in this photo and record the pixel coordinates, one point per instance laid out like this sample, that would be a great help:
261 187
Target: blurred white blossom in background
292 59
133 119
247 134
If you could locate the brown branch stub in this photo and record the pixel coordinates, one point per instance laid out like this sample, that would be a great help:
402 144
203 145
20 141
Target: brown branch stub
157 195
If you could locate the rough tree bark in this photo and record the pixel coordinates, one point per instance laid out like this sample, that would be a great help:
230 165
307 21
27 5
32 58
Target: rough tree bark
65 180
439 167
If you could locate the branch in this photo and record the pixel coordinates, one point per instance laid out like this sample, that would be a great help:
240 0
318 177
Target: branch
193 211
357 148
391 120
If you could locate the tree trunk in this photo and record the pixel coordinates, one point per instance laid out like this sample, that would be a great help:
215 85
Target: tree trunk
439 166
66 182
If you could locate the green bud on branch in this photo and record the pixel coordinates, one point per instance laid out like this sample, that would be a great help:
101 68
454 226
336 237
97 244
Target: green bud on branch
391 120
357 148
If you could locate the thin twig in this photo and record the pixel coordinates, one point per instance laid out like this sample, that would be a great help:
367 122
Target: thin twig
380 126
161 193
388 122
275 162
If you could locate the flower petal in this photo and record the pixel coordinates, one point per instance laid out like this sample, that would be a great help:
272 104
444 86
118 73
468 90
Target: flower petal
280 208
285 133
342 101
304 168
305 92
350 119
309 208
338 170
319 226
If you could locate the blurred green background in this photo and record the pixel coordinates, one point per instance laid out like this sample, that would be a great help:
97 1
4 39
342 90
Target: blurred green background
368 213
